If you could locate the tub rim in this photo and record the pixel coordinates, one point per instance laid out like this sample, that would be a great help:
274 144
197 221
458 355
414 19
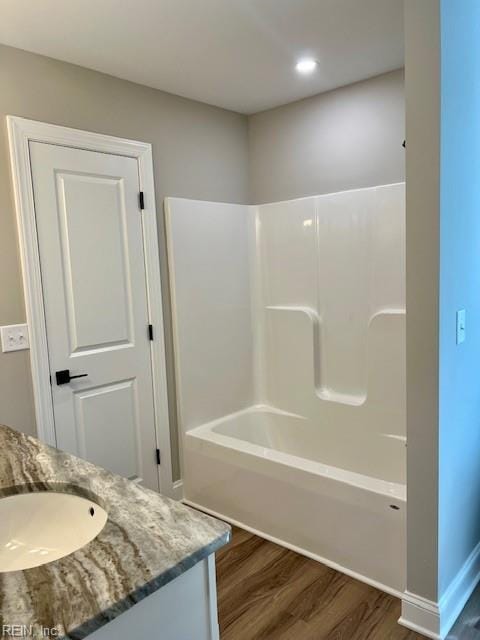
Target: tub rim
205 432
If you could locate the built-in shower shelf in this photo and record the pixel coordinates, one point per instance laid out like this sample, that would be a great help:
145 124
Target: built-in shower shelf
313 314
388 312
309 311
324 393
331 395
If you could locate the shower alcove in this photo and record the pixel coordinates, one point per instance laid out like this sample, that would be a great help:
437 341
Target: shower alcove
289 335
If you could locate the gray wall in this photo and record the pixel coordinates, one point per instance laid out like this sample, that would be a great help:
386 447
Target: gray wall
459 462
422 90
343 139
198 151
443 276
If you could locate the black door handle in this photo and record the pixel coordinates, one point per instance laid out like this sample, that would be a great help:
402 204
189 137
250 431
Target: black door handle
64 377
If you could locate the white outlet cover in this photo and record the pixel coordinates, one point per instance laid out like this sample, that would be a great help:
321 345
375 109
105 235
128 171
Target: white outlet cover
461 326
14 337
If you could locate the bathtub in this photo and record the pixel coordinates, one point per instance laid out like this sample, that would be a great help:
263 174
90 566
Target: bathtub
270 472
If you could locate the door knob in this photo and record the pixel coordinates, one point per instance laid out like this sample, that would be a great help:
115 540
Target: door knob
64 377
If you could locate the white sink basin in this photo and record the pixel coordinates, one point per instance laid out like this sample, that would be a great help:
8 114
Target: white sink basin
36 528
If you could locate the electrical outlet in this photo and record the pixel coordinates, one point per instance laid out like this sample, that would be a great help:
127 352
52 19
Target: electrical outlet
461 326
14 337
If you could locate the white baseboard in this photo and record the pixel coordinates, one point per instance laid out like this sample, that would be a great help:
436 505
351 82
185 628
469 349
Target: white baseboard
434 619
420 615
459 591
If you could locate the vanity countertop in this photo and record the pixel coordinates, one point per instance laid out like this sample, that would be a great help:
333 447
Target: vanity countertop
147 541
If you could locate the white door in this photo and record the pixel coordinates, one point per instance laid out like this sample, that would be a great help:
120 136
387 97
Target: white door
94 287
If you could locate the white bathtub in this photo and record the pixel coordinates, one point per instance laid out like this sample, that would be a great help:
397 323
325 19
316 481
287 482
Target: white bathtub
300 306
272 473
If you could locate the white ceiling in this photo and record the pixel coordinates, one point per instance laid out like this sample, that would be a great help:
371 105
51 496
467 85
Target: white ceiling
237 54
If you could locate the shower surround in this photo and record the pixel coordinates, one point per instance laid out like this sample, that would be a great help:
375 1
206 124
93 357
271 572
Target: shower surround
289 324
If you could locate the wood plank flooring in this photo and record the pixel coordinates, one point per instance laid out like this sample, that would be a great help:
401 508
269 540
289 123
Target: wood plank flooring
266 592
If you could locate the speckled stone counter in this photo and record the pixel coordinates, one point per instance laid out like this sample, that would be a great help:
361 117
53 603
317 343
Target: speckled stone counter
148 541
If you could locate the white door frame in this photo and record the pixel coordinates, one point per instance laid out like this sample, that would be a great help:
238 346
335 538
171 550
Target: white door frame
20 133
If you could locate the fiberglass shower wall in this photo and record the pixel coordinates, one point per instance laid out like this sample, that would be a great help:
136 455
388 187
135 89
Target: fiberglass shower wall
209 268
305 299
330 314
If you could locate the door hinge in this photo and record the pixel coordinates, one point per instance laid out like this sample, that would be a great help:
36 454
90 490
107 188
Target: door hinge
158 456
141 200
150 331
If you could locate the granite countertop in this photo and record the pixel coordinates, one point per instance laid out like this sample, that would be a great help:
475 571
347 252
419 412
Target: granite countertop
147 541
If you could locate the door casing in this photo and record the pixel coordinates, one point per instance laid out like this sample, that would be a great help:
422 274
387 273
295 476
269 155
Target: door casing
21 132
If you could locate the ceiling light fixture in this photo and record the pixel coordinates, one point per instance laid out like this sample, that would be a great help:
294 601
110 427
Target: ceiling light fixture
306 65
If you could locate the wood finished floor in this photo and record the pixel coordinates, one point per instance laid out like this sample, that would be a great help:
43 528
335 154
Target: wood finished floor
266 592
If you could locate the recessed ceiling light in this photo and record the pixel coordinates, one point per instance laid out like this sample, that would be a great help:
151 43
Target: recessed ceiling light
306 65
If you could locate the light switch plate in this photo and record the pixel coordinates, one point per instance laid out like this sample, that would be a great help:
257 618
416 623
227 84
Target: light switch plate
461 326
14 337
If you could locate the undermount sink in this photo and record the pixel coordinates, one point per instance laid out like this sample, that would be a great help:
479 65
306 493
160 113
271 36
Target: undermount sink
39 527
